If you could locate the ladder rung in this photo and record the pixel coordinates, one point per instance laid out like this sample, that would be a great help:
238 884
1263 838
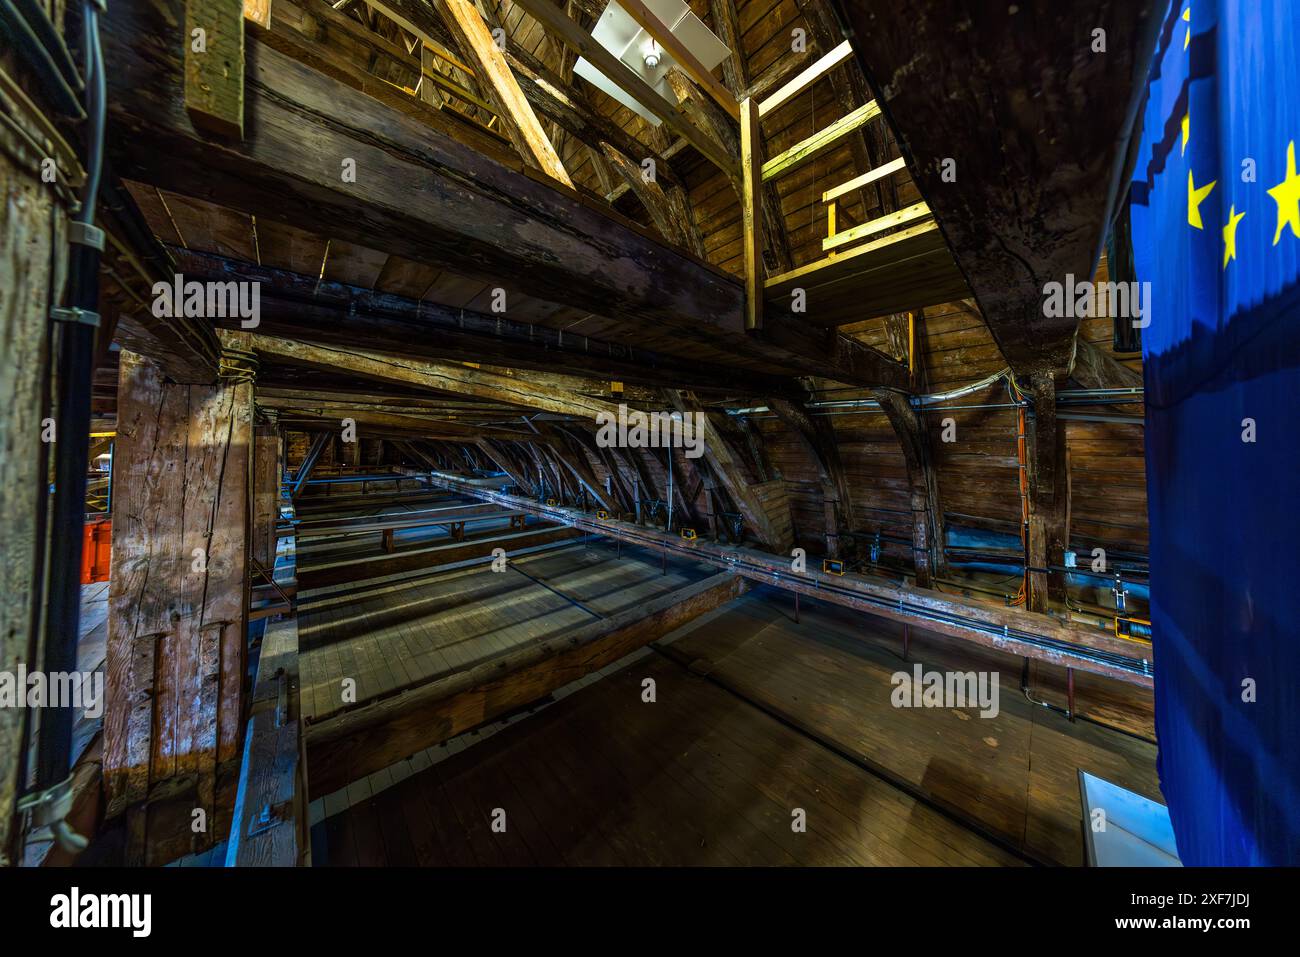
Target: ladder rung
806 79
823 139
898 218
858 182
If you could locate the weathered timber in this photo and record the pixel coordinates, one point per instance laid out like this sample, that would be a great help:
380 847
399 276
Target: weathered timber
1049 495
727 471
214 65
271 827
515 389
177 597
266 493
670 214
33 261
923 485
373 736
297 306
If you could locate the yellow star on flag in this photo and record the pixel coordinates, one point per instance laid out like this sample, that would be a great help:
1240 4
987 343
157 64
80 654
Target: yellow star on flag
1287 196
1187 18
1230 235
1194 198
1187 130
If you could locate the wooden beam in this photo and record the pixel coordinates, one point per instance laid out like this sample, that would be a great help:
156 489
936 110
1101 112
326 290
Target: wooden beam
297 306
214 65
807 78
499 83
516 389
1008 75
259 11
373 736
618 73
898 218
1049 495
739 488
177 597
687 60
33 258
726 24
751 164
671 216
857 182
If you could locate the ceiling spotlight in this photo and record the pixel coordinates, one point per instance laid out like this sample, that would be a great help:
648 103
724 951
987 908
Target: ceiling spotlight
622 36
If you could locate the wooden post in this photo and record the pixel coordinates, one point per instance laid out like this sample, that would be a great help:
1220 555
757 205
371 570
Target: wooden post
1049 495
33 258
214 65
751 164
177 601
266 493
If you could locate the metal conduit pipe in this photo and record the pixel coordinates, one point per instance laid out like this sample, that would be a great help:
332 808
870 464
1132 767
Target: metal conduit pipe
765 573
78 322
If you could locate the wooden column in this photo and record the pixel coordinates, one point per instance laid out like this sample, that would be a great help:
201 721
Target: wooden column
923 484
177 606
1049 494
33 259
751 168
266 492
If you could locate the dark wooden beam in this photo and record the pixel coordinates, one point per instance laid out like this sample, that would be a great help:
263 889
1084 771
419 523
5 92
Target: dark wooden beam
304 307
1033 187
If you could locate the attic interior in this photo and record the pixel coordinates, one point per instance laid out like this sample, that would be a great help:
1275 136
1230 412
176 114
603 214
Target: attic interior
365 545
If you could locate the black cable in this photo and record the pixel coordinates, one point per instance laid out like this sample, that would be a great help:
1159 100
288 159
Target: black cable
76 368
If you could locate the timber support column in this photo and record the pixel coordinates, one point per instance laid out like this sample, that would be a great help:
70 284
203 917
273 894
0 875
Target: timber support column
923 484
1049 495
266 492
178 603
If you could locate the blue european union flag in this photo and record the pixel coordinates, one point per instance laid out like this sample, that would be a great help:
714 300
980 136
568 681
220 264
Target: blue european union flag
1215 207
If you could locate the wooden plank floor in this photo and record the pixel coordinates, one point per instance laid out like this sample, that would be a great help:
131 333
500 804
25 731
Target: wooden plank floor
1015 774
603 778
409 628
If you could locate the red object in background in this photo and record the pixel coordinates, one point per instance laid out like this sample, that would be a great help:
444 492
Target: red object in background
96 548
